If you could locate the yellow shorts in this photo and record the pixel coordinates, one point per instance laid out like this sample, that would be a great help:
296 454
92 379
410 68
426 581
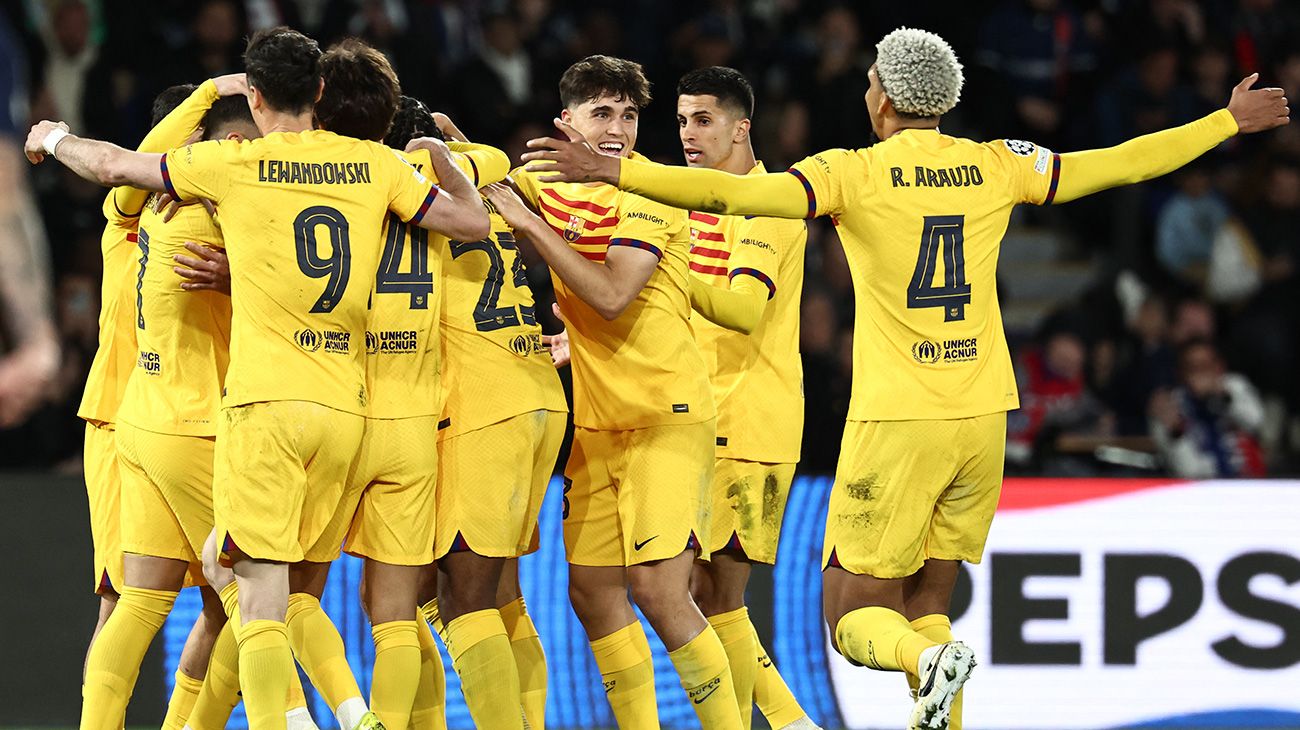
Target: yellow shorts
104 490
393 522
280 476
636 496
748 504
166 494
491 482
909 491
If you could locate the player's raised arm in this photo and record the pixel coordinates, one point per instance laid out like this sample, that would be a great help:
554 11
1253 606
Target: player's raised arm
456 210
99 162
778 195
609 287
1153 155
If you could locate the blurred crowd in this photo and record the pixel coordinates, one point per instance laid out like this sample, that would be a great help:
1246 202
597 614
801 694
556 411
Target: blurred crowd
1178 359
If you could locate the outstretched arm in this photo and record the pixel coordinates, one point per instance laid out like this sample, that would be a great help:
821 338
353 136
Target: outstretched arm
773 195
1153 155
93 160
608 288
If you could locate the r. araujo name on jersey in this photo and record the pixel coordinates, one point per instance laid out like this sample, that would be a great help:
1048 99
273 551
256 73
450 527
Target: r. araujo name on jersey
921 216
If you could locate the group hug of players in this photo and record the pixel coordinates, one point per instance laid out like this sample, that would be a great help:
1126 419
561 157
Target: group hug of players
368 376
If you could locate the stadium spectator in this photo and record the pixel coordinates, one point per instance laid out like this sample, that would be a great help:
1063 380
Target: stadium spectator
1208 426
70 51
1054 399
1188 225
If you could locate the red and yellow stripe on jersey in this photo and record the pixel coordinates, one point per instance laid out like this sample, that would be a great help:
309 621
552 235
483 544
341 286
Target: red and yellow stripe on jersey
182 337
115 358
757 378
490 336
643 368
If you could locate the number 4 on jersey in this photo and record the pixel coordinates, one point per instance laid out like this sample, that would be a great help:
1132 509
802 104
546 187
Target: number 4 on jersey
941 232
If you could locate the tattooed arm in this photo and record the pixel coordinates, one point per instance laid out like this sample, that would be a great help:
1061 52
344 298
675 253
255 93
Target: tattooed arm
30 365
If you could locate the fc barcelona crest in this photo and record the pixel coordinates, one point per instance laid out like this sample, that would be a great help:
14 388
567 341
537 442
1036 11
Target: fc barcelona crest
573 231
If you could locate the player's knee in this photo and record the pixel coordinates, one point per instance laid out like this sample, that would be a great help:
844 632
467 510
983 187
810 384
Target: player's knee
657 597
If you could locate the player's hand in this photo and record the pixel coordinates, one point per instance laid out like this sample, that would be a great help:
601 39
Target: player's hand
434 146
232 85
569 160
557 344
1258 110
167 206
508 205
207 270
26 376
35 145
448 128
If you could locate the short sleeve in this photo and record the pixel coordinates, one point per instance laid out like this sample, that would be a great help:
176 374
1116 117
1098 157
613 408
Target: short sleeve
199 170
1033 170
645 224
754 250
410 193
823 176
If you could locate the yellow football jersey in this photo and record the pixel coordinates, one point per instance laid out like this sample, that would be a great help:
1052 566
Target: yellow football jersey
494 367
757 378
116 354
921 216
303 215
644 368
182 337
403 339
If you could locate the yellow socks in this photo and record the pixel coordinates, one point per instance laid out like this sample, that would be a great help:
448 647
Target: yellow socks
319 649
702 666
738 641
115 655
937 628
480 653
184 695
429 712
531 660
623 659
880 638
265 668
773 697
396 674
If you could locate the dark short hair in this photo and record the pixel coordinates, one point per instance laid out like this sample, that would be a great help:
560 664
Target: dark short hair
597 76
170 98
223 113
284 66
730 87
412 121
361 91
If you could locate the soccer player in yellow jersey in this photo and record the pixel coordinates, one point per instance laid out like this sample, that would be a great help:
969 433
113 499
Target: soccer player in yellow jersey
636 495
391 518
285 444
747 276
107 403
496 447
921 216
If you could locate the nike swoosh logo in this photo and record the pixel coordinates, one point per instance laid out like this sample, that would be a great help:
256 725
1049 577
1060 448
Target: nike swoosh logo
765 662
643 543
934 672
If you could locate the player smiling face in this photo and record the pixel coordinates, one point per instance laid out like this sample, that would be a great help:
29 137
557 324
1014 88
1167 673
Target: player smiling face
608 123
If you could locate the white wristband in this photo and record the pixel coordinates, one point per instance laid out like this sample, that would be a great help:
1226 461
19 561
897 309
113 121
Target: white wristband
52 139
